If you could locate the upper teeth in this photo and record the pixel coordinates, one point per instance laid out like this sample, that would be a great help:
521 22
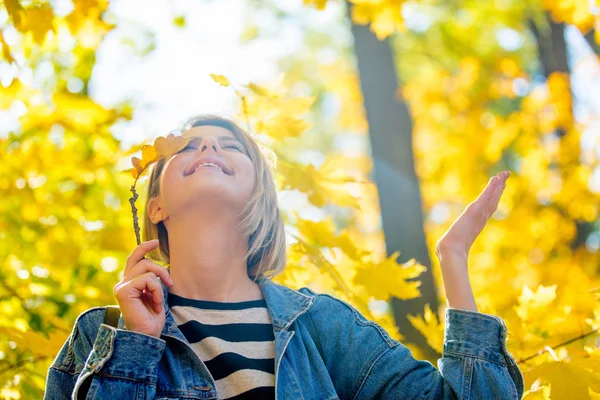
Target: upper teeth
208 164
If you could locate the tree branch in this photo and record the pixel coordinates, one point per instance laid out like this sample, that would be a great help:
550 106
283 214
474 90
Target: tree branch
559 345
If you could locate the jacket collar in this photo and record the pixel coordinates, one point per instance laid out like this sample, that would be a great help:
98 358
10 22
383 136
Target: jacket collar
284 305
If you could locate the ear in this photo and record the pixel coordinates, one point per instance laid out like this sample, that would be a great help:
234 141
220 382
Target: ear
156 212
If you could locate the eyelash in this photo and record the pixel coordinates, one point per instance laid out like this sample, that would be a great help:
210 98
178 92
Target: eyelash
229 146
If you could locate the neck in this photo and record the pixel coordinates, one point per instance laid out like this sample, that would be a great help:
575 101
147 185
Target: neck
207 259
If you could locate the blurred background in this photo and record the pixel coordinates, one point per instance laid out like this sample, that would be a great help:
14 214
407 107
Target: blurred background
384 120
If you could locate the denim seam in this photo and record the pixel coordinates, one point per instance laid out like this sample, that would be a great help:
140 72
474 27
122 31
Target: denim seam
300 312
369 372
179 392
361 320
468 378
66 370
513 385
93 390
70 358
125 378
456 353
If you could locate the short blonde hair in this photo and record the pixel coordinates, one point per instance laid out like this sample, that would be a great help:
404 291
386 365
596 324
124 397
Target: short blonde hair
260 220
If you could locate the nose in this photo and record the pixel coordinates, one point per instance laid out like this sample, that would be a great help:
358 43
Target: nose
209 144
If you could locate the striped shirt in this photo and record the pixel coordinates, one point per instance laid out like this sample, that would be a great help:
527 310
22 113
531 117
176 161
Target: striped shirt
234 340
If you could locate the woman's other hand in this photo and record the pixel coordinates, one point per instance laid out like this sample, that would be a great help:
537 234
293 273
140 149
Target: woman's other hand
139 293
462 234
453 248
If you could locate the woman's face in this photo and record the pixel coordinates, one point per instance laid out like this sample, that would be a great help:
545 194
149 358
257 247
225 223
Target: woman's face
213 170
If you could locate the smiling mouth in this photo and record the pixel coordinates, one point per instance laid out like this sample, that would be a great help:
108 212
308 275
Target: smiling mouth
207 165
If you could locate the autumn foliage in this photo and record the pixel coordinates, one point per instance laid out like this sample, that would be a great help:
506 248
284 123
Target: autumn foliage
65 180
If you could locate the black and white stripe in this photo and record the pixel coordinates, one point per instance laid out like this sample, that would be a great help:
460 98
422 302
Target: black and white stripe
234 340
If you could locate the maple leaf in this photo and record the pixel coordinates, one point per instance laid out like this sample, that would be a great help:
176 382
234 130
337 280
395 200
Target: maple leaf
38 21
220 79
259 90
387 278
530 302
167 146
429 327
149 156
567 380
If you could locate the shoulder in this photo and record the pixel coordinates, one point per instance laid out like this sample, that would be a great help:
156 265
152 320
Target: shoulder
328 312
76 348
90 318
86 326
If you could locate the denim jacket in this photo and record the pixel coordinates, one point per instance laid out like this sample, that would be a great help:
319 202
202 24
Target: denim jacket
324 349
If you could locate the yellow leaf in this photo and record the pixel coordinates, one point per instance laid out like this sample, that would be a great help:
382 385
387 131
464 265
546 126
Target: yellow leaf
137 167
38 21
386 279
320 4
179 21
533 303
322 233
149 156
259 90
567 380
14 9
538 393
429 327
220 79
38 344
5 49
167 146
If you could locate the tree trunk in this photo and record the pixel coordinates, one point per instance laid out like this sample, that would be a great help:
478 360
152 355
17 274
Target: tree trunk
390 133
552 47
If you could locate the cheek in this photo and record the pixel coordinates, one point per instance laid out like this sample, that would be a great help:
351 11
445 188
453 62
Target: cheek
171 173
249 177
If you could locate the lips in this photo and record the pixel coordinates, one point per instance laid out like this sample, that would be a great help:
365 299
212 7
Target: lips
192 168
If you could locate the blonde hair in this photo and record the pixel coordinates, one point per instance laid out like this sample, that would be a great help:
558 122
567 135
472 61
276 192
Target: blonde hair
260 220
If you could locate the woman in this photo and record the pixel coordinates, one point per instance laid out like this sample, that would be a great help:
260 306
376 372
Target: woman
214 325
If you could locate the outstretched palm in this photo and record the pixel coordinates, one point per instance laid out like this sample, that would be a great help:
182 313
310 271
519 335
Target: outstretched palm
460 236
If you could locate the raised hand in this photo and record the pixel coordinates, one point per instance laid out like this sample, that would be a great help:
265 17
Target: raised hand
140 295
453 248
463 232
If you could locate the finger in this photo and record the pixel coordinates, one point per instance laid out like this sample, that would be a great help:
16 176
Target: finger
482 208
149 266
134 288
148 299
490 196
499 185
139 252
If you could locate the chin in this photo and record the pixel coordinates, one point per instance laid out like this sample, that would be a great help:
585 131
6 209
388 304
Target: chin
215 195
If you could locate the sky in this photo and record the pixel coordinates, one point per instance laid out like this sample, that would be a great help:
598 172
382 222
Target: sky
172 82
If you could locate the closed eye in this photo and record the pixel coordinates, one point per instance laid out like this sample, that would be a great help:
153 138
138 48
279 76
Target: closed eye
189 146
228 145
234 146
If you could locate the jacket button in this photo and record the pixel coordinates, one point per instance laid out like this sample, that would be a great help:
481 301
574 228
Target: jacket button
205 388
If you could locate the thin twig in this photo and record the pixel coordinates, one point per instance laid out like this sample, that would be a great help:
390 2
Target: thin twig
559 345
132 200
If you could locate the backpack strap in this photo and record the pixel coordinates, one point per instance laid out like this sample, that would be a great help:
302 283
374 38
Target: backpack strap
111 316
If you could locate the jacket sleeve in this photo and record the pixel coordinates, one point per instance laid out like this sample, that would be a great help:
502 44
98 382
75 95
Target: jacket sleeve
364 362
98 361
